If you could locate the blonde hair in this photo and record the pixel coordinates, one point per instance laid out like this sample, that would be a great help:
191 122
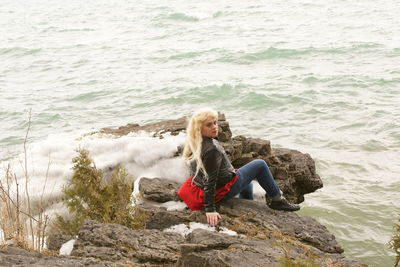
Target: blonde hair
194 139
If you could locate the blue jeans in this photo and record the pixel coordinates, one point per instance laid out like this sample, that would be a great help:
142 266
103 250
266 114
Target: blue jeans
256 169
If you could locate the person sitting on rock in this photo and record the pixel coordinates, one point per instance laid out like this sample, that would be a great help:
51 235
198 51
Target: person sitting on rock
213 178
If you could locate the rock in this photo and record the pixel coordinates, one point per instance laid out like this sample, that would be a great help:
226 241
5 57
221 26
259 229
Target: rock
266 237
216 249
224 132
244 159
101 244
274 238
259 146
294 172
12 256
171 126
159 190
258 215
233 149
253 219
252 215
160 218
120 244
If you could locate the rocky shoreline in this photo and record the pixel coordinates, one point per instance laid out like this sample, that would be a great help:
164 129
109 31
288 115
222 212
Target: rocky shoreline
262 236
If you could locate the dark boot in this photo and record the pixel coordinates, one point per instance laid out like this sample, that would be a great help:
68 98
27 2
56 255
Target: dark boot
283 204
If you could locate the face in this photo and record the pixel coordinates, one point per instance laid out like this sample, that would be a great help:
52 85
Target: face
209 128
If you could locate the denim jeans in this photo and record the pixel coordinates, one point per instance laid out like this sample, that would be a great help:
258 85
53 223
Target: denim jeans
256 169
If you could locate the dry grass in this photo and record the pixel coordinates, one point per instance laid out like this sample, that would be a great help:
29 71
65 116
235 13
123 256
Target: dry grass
290 245
20 224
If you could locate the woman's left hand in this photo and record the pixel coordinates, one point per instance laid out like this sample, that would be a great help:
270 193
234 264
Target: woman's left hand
212 218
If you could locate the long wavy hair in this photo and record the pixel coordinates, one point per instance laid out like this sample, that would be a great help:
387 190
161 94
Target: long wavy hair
194 139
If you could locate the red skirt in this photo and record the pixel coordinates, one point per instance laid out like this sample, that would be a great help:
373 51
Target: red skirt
193 195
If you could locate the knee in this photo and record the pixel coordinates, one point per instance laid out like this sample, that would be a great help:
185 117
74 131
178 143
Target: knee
260 163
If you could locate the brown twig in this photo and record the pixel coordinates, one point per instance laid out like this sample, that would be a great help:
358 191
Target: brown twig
27 178
14 212
16 205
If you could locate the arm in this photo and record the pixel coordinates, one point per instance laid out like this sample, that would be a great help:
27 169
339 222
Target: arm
212 161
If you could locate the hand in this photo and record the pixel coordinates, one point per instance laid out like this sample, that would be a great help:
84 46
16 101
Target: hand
212 218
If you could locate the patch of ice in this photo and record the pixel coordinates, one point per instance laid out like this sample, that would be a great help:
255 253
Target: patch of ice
196 225
67 247
225 230
184 229
136 193
258 192
2 239
174 205
179 228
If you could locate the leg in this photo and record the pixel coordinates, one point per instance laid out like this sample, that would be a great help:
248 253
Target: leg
256 169
247 192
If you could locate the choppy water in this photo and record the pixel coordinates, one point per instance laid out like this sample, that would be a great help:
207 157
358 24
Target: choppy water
319 76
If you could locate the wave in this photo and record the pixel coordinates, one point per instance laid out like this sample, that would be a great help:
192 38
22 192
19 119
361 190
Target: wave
194 16
185 55
77 30
374 146
49 160
89 97
20 51
270 53
239 95
356 81
253 100
290 53
182 17
197 95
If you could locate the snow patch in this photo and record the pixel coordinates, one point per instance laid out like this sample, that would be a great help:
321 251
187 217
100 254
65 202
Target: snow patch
67 247
184 229
173 205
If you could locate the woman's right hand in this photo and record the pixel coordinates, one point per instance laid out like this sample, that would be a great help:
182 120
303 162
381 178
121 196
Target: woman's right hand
212 218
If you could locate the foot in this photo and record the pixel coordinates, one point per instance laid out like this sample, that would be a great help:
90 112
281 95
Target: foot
283 204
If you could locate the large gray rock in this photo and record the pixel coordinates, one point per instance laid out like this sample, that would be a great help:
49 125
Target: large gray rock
265 238
294 172
12 256
251 218
120 244
160 190
158 128
152 247
207 248
304 228
246 214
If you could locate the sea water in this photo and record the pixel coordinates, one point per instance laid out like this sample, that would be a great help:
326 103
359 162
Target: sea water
321 77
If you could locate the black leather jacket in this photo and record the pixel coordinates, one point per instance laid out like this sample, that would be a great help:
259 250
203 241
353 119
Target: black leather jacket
218 168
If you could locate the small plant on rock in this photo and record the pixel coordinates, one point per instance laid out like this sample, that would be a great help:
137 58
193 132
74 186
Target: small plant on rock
306 260
394 243
89 196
